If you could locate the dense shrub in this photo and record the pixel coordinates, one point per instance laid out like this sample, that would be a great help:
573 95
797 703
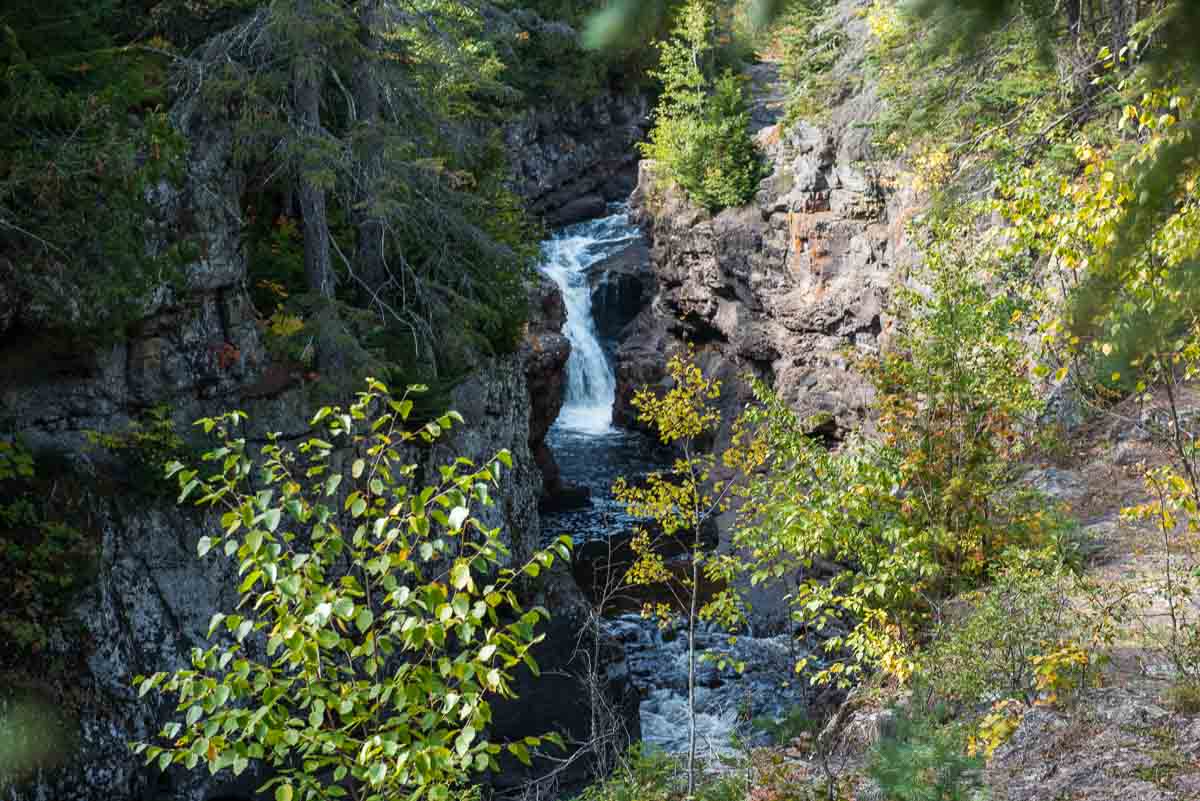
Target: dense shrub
924 760
926 507
45 557
701 135
388 612
991 652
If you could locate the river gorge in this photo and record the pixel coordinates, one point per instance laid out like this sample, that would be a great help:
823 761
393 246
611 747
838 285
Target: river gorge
591 453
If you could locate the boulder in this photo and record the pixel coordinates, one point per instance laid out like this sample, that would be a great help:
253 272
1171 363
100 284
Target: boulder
622 284
585 207
569 160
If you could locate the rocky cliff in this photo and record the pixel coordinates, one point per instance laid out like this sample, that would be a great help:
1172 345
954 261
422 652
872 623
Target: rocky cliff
569 163
198 350
781 288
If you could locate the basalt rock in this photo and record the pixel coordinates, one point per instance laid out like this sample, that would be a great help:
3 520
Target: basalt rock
622 285
787 286
198 351
567 162
546 352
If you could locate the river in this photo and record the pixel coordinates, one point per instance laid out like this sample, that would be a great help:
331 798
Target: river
591 452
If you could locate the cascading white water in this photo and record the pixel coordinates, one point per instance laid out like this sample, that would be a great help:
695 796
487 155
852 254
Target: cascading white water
589 450
566 257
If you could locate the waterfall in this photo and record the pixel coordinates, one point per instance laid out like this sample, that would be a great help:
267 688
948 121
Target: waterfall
592 453
566 257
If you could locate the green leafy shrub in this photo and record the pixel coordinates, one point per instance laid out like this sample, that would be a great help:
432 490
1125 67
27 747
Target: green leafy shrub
795 723
993 651
1184 696
925 508
648 774
44 559
645 775
388 612
701 133
147 445
922 760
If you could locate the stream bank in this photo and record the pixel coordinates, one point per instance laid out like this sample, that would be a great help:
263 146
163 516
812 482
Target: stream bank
599 264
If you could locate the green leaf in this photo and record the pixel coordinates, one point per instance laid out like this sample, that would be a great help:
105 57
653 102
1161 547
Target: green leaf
520 752
283 792
187 490
460 576
271 518
316 715
343 608
463 743
204 546
364 619
254 541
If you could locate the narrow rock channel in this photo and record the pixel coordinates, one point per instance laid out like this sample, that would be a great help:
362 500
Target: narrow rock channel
590 262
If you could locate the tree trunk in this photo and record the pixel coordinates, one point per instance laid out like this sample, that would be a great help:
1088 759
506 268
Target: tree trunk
307 72
306 99
369 254
691 762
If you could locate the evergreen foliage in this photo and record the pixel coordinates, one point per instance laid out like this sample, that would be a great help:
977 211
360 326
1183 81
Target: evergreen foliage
810 43
924 761
45 558
392 212
358 126
701 134
84 143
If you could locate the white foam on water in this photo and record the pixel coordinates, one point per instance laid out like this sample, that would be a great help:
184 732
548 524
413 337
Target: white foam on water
566 257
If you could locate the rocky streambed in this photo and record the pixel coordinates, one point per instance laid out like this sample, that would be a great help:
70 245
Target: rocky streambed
601 268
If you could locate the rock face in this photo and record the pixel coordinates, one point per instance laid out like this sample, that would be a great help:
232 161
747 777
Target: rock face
622 285
783 287
198 351
568 163
547 350
194 349
1115 744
